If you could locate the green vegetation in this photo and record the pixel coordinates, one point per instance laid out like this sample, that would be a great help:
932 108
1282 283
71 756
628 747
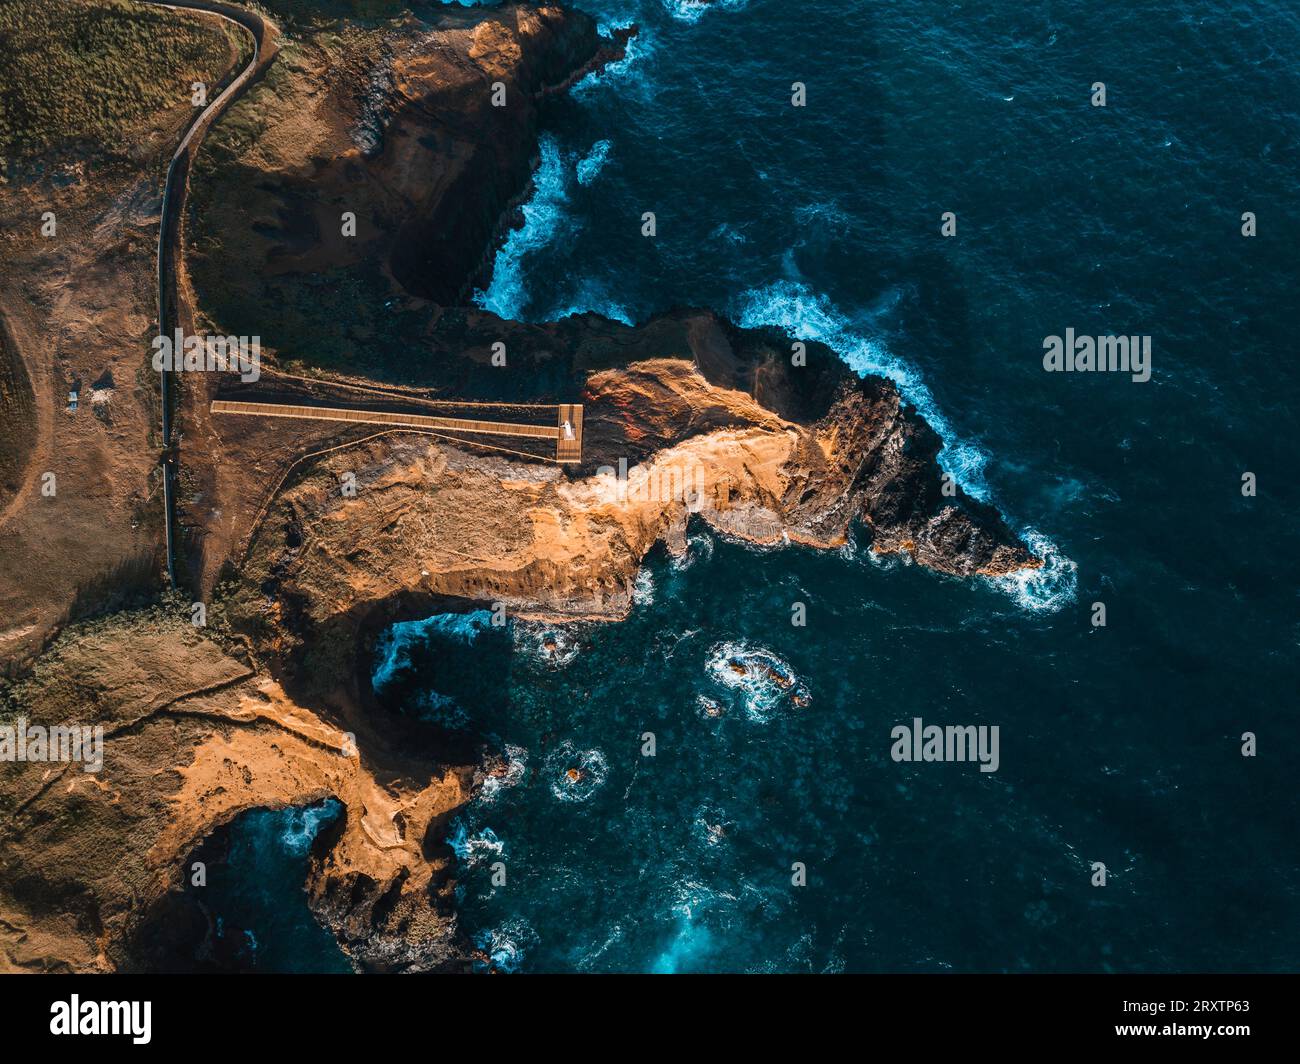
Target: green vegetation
79 74
299 15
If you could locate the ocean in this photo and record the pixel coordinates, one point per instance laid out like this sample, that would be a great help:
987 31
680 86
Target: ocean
1120 745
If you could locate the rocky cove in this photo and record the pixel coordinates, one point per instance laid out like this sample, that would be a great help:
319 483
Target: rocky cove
271 704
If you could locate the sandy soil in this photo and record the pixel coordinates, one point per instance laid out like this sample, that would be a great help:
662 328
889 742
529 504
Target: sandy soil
80 308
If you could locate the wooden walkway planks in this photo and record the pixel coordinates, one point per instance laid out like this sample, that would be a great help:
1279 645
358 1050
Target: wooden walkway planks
567 432
568 444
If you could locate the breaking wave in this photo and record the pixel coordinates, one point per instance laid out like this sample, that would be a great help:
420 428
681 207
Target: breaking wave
590 165
503 948
394 645
474 849
763 682
553 647
575 775
799 311
694 10
511 773
507 295
1044 590
301 824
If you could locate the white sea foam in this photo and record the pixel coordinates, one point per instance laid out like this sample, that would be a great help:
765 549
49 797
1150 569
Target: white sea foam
801 312
507 295
643 587
393 648
507 945
302 823
590 165
576 774
550 646
625 72
691 940
546 216
516 765
592 297
1044 590
476 848
710 708
762 681
698 549
694 10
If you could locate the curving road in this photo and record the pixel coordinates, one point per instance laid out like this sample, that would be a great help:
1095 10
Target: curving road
263 33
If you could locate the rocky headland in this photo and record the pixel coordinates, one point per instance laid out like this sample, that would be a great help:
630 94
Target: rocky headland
269 704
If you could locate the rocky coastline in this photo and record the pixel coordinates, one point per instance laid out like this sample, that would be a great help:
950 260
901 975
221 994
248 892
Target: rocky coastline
268 704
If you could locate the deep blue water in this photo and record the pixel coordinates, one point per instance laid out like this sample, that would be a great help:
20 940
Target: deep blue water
256 895
1119 744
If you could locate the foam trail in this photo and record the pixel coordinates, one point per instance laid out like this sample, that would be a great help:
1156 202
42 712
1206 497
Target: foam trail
591 298
507 295
638 48
1044 590
801 312
590 165
393 648
693 10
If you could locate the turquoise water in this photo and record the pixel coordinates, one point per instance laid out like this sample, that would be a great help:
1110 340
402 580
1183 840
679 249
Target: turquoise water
256 896
1119 745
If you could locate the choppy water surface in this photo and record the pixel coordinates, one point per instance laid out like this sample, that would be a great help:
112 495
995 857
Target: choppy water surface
1119 745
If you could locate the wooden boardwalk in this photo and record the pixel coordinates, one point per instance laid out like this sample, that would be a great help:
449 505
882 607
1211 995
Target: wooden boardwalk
566 432
568 444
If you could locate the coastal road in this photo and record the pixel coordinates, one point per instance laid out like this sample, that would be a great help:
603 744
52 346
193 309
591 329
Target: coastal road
175 189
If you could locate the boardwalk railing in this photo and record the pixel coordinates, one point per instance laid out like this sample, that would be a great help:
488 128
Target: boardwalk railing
567 432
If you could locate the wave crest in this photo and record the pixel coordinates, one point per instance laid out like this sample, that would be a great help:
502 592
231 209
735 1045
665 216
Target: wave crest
801 312
1044 590
576 774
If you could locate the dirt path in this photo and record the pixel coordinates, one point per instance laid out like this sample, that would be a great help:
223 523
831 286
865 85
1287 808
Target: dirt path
171 313
80 312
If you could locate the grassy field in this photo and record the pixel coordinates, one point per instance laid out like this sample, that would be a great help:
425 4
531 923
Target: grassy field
297 15
93 76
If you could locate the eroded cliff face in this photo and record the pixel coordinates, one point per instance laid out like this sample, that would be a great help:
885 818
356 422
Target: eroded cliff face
417 136
94 869
711 422
485 112
426 521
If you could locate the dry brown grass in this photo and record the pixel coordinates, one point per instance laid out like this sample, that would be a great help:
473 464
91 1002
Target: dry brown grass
90 76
